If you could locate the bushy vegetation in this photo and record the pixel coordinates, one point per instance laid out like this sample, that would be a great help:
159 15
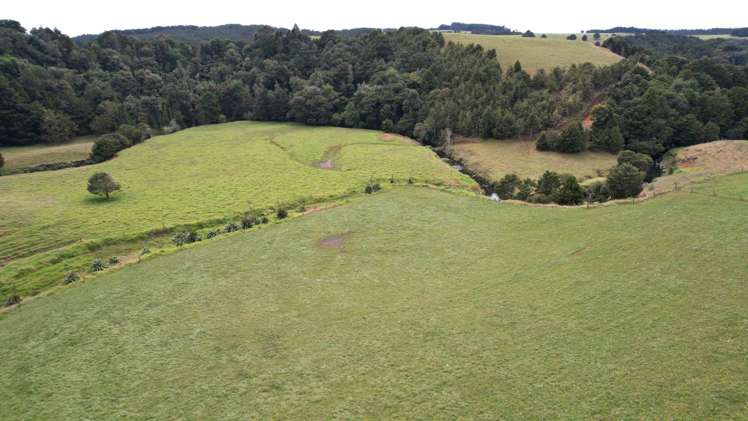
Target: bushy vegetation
551 187
102 184
408 81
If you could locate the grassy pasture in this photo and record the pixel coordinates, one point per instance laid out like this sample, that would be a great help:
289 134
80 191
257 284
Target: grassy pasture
412 303
496 158
538 53
25 156
199 175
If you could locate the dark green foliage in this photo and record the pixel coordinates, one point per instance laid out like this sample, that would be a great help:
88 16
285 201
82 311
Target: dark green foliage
2 161
625 180
547 141
642 162
569 192
597 192
281 212
605 133
231 227
185 237
548 183
106 146
134 134
102 184
113 260
506 187
70 278
584 37
525 189
97 265
56 127
528 34
596 35
572 140
372 187
213 234
572 37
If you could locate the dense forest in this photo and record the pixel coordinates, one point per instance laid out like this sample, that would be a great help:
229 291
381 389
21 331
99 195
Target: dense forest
737 32
478 28
407 81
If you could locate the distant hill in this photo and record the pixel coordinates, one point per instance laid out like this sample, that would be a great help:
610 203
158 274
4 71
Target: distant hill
189 33
478 28
195 34
712 31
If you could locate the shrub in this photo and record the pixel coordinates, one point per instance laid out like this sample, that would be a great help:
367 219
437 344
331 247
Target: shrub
572 140
185 237
625 180
525 189
548 183
12 299
212 233
505 187
528 34
2 161
135 134
145 251
584 37
547 141
247 222
642 162
106 146
231 227
113 260
597 192
411 180
281 213
569 192
264 219
572 37
97 265
372 187
71 278
102 184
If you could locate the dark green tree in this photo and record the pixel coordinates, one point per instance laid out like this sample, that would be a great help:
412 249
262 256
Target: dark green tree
102 184
625 180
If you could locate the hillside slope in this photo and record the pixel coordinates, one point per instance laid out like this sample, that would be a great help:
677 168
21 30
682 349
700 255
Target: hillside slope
538 53
408 304
208 173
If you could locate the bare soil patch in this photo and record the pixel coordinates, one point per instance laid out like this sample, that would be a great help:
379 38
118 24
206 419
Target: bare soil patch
334 241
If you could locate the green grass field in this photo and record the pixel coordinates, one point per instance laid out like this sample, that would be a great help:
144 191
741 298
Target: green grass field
210 173
538 53
26 156
494 159
411 303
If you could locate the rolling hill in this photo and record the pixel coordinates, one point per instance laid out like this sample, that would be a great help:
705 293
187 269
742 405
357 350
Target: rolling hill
406 304
197 177
538 53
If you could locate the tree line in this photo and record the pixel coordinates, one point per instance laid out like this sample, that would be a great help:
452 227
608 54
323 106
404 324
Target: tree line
408 81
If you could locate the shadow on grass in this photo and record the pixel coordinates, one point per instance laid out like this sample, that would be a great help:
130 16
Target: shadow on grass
101 200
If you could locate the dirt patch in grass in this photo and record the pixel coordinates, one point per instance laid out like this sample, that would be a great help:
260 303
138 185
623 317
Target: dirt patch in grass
334 241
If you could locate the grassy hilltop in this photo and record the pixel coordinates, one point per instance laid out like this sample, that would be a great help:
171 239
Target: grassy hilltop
410 303
204 174
538 53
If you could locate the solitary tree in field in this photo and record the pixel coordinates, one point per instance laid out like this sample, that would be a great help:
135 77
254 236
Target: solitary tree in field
102 184
596 35
584 37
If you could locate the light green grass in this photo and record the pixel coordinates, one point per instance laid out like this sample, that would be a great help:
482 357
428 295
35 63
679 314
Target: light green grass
496 158
26 156
435 306
196 176
538 53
